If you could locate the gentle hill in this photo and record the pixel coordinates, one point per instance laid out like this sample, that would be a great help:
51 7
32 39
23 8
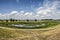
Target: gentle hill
26 34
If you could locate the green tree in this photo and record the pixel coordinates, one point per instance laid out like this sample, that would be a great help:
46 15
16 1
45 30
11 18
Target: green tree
35 19
27 20
11 19
6 20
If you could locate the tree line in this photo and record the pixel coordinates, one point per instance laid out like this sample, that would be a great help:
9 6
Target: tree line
15 20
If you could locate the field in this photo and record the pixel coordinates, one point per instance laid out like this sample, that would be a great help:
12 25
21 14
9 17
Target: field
29 24
8 32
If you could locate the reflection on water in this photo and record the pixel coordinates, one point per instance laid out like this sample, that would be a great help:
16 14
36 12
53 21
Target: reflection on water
28 26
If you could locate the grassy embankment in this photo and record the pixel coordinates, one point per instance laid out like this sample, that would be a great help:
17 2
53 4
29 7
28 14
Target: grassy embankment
6 34
30 23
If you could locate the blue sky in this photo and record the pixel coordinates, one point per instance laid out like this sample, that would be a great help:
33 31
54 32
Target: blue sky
26 5
30 9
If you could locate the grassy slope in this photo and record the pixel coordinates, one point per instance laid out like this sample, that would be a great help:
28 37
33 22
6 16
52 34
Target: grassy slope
47 24
48 35
20 34
6 34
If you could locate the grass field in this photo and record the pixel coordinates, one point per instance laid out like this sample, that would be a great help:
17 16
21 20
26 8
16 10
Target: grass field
26 33
37 24
29 34
8 34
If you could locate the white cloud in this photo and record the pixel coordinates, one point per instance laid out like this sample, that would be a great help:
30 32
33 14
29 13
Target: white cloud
14 12
48 10
1 15
22 12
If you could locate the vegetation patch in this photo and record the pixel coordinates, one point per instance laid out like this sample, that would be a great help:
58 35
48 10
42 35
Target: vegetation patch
29 24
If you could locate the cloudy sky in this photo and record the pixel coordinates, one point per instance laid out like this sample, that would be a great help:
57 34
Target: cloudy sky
30 9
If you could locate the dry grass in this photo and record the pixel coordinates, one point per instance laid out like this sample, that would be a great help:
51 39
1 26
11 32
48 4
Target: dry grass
14 34
22 34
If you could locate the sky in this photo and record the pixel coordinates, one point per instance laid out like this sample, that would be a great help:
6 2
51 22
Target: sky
30 9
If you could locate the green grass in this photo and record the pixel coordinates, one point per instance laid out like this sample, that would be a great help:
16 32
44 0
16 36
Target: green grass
5 33
30 23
